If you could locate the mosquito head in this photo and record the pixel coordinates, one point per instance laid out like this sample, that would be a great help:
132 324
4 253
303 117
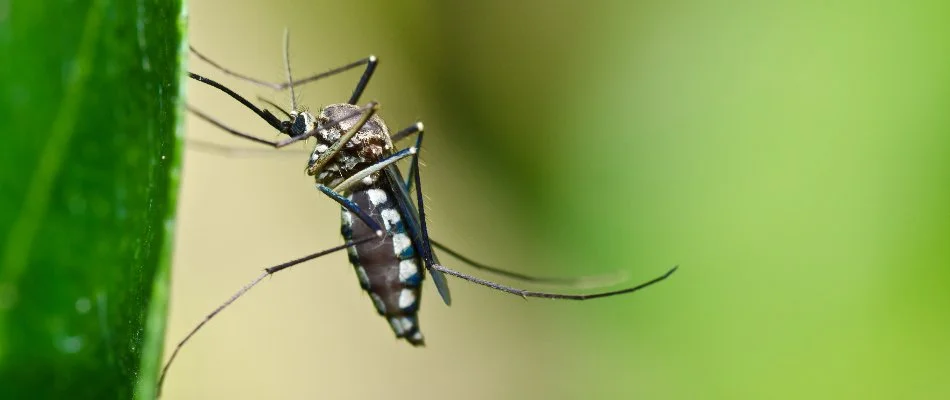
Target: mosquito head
301 122
332 163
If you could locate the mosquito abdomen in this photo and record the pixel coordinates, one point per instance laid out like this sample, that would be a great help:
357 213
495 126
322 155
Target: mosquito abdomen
388 269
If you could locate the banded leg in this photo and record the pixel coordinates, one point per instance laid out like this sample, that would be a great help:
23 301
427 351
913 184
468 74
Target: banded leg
433 266
267 272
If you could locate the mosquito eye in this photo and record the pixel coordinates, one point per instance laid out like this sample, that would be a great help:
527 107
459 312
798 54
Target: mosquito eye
300 125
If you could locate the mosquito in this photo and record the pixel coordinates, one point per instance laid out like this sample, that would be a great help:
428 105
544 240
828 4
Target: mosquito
383 226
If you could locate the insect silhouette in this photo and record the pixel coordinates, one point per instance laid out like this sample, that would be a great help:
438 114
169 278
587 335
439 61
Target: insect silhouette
383 226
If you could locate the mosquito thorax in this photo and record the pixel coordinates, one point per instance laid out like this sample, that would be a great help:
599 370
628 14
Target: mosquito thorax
370 144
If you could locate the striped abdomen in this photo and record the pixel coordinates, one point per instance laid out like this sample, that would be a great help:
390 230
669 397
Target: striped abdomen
388 268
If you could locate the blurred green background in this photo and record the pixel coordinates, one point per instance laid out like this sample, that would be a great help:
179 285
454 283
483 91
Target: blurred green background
792 157
90 157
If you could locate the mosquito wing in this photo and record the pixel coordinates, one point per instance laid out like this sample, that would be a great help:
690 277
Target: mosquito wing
411 217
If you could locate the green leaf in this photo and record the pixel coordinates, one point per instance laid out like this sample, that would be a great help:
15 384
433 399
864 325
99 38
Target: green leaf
90 122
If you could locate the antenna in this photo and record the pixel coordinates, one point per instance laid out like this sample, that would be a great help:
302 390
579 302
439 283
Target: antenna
290 79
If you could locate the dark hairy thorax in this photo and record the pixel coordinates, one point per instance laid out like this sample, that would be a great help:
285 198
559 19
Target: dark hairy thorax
370 144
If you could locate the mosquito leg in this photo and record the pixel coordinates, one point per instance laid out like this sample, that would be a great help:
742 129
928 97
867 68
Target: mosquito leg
370 63
408 131
433 265
275 86
353 208
579 281
417 128
227 129
546 295
267 272
238 152
349 182
422 235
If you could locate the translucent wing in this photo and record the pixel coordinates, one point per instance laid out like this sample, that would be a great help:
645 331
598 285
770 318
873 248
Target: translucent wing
411 217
